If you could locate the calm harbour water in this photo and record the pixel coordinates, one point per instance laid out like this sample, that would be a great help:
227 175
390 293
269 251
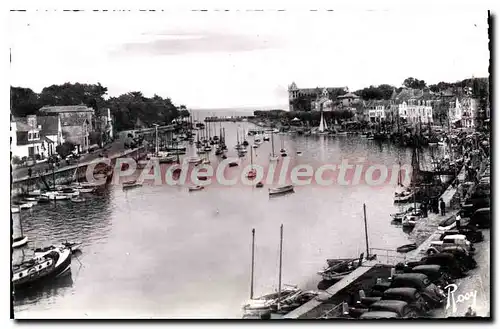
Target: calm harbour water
160 251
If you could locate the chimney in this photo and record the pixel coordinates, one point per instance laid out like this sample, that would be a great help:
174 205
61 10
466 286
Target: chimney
31 120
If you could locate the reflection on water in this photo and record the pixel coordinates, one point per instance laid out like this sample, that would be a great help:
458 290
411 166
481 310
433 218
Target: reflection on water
49 291
159 251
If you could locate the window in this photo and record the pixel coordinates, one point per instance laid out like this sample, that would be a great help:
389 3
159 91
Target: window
29 136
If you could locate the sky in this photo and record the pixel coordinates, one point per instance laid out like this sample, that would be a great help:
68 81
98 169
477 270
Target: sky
244 59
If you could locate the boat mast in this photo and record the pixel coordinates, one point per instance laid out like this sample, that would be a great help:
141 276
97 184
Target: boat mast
156 139
253 262
281 263
177 151
366 232
400 181
251 158
272 141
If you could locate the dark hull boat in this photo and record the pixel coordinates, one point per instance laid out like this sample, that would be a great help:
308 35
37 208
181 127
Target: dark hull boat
46 265
338 268
406 248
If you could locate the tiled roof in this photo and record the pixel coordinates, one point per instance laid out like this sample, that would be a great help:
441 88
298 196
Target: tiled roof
318 90
349 95
50 124
409 93
65 109
73 120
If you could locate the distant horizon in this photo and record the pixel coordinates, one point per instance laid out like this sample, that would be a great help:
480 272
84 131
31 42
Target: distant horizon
244 108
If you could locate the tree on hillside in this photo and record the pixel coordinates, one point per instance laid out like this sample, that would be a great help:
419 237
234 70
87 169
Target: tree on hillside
91 95
23 101
301 103
383 91
335 93
133 107
414 83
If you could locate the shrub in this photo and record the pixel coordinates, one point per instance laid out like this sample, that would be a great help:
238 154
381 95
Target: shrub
65 149
16 160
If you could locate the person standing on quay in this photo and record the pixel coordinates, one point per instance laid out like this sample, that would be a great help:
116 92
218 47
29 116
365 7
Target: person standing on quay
442 207
457 221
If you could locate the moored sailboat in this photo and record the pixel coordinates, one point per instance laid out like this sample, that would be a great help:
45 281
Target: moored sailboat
273 301
20 240
252 173
272 156
323 128
50 263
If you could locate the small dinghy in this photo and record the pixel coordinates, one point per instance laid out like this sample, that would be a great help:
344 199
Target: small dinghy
281 190
73 246
131 185
299 153
196 188
24 205
83 189
259 185
406 248
77 200
19 241
409 221
405 195
43 199
233 164
14 210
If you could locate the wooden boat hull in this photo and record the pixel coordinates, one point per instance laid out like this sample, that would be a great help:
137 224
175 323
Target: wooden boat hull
20 243
62 266
281 190
402 199
406 248
131 186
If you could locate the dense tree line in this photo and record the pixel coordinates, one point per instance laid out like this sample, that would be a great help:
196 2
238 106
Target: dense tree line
129 110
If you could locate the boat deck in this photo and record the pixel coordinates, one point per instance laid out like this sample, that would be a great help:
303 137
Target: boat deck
315 307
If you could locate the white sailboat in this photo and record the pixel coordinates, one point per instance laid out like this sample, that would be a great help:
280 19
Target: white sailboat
161 157
272 156
22 239
323 128
283 150
269 302
252 173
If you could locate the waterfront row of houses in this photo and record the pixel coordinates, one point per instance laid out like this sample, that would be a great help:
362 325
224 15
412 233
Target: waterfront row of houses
411 105
37 136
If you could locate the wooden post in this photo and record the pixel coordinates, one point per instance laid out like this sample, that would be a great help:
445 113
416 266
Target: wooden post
366 233
253 259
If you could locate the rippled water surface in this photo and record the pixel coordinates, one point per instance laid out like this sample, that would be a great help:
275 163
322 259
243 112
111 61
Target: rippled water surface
159 251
